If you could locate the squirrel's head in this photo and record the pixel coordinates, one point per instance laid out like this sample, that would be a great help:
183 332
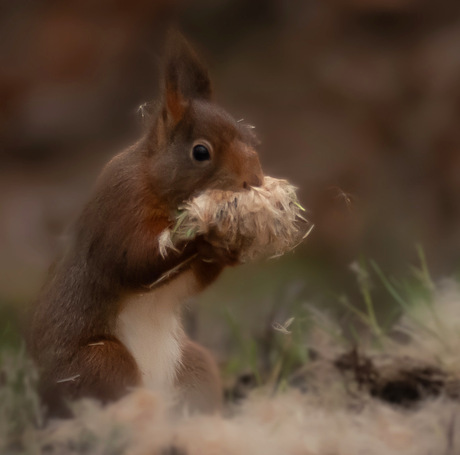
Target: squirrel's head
193 143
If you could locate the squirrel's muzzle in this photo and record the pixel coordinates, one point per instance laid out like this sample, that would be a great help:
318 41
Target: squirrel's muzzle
252 171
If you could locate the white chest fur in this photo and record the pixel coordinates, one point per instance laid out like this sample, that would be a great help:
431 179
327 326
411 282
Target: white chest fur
149 326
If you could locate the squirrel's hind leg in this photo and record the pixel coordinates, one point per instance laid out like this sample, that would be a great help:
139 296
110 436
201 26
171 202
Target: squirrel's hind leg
198 380
102 369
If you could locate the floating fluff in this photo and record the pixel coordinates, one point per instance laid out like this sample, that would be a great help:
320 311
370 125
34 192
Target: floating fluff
261 222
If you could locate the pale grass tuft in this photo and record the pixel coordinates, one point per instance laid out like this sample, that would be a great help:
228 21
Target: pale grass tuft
283 328
434 329
69 379
261 222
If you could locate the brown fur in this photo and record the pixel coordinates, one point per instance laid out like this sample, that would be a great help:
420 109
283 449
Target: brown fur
198 379
114 247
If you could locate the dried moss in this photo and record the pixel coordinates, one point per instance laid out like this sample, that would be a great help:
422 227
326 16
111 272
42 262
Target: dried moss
263 221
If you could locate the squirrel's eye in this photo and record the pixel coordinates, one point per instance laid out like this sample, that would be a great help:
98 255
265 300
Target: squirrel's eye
201 153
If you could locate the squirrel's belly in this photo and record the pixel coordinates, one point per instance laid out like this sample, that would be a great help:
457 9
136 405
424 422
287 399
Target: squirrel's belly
149 326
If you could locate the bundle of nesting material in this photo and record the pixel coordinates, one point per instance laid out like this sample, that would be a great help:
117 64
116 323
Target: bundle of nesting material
260 222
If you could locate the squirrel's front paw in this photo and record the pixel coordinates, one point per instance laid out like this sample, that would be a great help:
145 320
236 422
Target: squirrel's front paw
211 251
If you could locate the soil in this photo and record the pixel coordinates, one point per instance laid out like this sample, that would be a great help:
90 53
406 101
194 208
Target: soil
400 380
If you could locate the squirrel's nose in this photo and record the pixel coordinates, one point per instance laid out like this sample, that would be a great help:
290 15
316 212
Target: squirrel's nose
253 180
254 176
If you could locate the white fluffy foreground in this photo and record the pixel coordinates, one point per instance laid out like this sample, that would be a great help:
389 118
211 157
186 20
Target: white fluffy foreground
330 418
290 423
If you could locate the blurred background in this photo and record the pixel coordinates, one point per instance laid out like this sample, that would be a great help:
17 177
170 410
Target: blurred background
357 102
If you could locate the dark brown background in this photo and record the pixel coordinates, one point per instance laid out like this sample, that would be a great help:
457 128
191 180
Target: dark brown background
357 102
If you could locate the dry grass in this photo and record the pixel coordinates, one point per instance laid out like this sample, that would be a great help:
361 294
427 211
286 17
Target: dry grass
263 221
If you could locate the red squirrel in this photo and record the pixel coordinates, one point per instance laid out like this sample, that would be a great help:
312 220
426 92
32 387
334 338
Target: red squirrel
98 330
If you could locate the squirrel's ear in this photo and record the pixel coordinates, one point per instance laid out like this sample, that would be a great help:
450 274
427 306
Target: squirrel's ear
174 102
185 78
